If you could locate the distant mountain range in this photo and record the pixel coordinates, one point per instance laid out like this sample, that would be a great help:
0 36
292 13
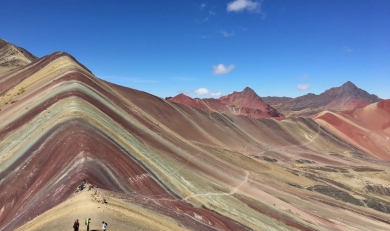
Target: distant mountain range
246 103
346 98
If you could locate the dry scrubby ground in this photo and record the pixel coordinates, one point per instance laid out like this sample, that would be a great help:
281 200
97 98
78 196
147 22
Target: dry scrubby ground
118 214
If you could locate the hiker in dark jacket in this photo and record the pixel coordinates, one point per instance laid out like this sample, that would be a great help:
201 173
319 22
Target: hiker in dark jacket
76 225
88 222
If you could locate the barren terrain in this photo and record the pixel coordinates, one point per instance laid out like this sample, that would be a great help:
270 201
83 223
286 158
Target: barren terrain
161 165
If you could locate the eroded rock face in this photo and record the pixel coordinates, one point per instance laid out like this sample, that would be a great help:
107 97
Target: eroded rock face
377 189
378 205
13 57
272 160
336 194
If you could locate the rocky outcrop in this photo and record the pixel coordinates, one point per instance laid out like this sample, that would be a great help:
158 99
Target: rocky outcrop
335 193
13 57
381 206
377 189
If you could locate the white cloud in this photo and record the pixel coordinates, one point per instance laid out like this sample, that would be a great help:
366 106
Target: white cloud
202 91
222 69
216 94
241 5
305 76
348 49
202 6
303 86
226 34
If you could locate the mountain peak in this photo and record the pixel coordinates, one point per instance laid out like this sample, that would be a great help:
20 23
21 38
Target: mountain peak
349 85
3 42
350 91
13 57
246 103
248 89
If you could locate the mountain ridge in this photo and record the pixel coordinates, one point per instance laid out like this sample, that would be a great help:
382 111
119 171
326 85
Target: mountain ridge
346 98
12 57
246 103
163 161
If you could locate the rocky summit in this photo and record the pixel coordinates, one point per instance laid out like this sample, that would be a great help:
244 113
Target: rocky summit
73 146
12 57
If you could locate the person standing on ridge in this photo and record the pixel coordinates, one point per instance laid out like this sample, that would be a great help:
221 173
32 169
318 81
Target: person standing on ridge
87 222
76 225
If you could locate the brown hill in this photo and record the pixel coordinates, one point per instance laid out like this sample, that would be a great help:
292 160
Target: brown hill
159 165
13 57
246 103
367 129
183 99
346 98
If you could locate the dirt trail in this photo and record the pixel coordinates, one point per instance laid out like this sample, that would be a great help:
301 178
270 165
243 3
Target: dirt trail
118 214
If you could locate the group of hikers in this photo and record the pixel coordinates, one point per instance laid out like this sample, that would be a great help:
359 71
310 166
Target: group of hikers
87 222
76 224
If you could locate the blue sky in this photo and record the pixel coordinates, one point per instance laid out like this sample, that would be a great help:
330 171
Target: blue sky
212 48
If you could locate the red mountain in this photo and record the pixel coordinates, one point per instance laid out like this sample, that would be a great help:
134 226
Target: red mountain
246 103
151 164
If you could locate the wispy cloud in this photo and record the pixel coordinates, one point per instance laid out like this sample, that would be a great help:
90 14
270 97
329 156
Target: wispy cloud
348 49
226 34
221 69
241 5
202 91
204 36
303 86
216 94
305 76
206 13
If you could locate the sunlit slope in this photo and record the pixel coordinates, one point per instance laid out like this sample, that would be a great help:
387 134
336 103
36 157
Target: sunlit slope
118 214
13 57
66 126
59 124
367 129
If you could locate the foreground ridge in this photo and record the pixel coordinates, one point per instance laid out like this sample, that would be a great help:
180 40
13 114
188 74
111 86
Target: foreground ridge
160 165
